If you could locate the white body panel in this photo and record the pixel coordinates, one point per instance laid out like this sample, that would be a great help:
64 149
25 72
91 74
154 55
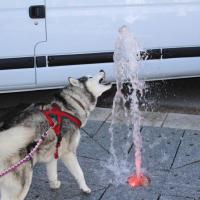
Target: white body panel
88 26
18 38
83 29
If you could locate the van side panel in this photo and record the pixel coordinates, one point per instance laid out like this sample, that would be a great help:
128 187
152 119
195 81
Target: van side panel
86 27
80 27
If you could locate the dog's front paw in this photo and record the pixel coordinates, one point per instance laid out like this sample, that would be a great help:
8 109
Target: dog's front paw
55 184
86 189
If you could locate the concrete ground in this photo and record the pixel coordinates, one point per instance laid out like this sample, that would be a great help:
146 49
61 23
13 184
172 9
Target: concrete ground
171 159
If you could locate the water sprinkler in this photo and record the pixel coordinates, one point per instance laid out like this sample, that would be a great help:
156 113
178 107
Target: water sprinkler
139 181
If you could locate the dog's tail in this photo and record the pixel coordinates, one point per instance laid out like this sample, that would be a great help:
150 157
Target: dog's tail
14 139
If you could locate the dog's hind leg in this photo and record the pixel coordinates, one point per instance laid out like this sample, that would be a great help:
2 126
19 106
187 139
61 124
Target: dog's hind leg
11 188
71 162
53 175
27 184
4 194
11 192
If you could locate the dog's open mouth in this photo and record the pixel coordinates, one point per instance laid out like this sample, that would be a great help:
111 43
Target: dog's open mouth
102 81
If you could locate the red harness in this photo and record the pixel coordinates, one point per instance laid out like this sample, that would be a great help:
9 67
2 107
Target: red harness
56 112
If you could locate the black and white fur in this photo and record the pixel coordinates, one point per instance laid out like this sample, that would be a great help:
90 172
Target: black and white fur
78 98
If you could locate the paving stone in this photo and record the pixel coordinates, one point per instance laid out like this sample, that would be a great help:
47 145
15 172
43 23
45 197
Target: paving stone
154 119
183 182
69 189
182 121
122 139
189 149
39 192
100 114
126 193
91 149
92 127
93 196
96 174
159 147
174 198
158 178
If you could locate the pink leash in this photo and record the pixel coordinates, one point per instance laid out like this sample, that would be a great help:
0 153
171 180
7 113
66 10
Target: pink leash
27 157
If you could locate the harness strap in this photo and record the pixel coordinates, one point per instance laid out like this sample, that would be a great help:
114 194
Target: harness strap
56 112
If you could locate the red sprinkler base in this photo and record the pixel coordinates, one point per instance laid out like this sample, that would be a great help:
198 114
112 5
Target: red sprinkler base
139 181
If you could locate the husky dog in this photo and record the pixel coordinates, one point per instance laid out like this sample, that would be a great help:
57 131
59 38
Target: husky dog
18 137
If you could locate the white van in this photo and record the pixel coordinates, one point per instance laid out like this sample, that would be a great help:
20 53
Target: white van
45 41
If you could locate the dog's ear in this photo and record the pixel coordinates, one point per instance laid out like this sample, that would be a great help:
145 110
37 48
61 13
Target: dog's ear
73 81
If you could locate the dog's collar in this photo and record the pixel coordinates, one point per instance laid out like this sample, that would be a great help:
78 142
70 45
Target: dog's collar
56 113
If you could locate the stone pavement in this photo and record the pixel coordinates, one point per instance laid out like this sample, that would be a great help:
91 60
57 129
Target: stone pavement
171 159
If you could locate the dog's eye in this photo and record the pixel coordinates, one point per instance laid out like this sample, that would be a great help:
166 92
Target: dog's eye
83 79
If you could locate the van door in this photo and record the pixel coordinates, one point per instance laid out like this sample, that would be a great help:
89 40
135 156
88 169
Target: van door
22 25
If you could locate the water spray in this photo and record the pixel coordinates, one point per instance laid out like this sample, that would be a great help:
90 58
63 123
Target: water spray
126 58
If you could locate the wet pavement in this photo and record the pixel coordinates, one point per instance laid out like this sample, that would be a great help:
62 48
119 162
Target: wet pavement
171 144
170 158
